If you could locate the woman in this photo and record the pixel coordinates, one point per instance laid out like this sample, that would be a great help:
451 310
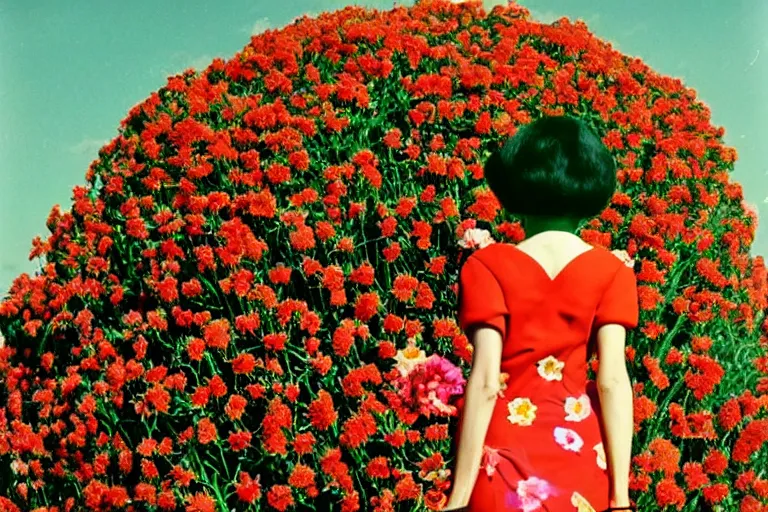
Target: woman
549 441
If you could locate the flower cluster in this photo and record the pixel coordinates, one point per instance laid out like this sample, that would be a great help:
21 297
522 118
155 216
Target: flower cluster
429 387
251 303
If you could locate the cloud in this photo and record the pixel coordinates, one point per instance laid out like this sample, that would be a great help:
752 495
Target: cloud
490 4
199 63
635 29
179 62
88 146
544 16
259 26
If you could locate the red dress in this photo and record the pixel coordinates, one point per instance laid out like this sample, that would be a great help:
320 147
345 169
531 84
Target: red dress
544 446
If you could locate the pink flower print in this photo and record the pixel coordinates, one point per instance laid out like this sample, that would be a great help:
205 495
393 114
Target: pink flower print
490 460
568 439
530 494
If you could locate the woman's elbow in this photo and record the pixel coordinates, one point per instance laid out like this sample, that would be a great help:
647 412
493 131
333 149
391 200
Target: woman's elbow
484 387
612 383
491 392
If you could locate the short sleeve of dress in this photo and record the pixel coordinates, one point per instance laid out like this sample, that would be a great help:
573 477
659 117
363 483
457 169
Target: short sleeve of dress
619 304
481 300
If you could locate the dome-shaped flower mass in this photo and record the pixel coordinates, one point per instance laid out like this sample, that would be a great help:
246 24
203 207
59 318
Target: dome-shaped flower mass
251 304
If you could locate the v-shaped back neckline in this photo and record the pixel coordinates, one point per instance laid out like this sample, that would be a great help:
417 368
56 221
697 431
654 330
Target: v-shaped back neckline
562 270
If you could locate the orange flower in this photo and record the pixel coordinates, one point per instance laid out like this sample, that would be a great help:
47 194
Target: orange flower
206 431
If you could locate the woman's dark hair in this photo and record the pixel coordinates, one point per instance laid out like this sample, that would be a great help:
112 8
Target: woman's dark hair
554 167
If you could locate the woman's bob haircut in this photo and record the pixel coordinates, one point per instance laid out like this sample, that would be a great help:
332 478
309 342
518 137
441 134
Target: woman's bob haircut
553 167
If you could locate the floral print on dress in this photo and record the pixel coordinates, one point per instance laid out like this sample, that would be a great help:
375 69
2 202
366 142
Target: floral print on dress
490 460
577 409
600 452
530 494
503 379
581 503
550 368
568 439
521 412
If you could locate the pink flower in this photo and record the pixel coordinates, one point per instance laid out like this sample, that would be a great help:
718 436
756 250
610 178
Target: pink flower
490 460
568 439
530 494
429 387
476 239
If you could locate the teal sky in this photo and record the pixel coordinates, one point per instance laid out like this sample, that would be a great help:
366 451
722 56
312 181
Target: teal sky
70 71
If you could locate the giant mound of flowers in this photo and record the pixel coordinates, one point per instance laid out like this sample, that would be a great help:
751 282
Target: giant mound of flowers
251 304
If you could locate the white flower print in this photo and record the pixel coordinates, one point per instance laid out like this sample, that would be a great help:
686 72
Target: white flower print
568 439
600 453
521 412
581 503
550 368
577 409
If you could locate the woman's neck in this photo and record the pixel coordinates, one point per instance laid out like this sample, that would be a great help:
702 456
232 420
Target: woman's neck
535 225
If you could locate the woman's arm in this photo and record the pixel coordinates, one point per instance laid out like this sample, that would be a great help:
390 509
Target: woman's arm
480 395
615 392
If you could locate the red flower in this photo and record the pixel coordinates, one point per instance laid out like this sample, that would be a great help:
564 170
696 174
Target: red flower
206 431
275 341
393 139
406 489
403 287
301 477
715 493
200 503
357 430
280 275
302 239
321 412
217 386
655 373
695 478
364 275
391 252
378 467
367 306
343 339
248 489
393 324
668 494
436 433
304 443
486 206
715 463
750 440
244 364
216 334
709 374
235 407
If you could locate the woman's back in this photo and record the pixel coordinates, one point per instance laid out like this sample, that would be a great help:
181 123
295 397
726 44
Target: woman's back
531 312
547 298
